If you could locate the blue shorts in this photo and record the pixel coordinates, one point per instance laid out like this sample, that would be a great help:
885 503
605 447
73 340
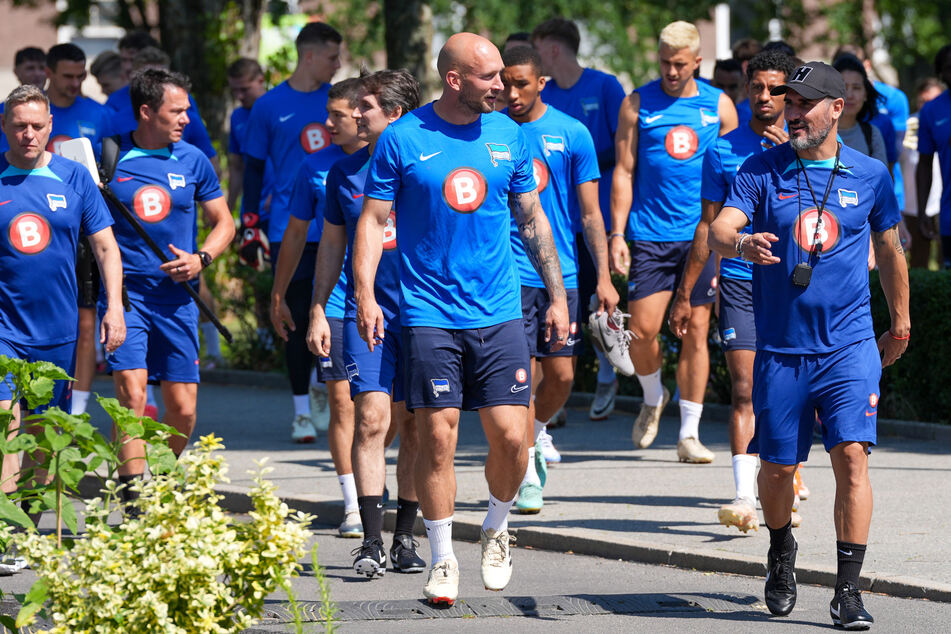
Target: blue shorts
535 304
306 266
789 389
161 338
468 369
658 267
61 354
377 371
332 368
737 327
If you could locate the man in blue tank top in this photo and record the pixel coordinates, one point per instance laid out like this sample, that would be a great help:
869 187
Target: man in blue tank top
663 131
455 170
814 204
45 202
592 97
737 329
297 259
566 175
286 126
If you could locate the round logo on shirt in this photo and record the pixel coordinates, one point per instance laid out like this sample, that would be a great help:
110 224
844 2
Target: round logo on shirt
389 232
809 229
29 233
541 174
681 142
314 137
152 203
464 190
55 142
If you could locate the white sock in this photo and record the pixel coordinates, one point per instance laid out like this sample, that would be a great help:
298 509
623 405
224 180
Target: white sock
439 533
690 419
539 428
744 475
497 517
349 489
606 373
212 343
150 395
531 475
652 387
301 404
80 401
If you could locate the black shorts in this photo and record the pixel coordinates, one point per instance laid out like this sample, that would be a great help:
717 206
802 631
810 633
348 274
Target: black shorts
736 323
658 267
468 369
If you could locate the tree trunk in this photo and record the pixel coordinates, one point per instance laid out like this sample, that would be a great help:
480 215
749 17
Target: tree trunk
409 38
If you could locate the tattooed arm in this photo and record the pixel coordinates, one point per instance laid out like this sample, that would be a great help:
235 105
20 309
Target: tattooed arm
540 246
893 274
592 225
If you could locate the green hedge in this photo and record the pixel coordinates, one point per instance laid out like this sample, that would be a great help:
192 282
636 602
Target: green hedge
917 387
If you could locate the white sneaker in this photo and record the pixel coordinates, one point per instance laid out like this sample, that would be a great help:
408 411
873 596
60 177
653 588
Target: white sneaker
11 563
302 429
645 426
609 336
351 526
319 408
443 583
603 404
692 450
741 513
548 449
496 559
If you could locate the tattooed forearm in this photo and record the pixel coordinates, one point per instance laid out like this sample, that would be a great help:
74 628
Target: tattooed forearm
888 238
597 242
539 243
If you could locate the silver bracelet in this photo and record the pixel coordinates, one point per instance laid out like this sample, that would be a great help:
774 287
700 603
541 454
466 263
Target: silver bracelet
739 246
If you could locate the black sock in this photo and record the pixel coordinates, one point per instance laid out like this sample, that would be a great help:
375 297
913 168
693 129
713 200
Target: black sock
850 557
781 539
127 493
405 516
371 514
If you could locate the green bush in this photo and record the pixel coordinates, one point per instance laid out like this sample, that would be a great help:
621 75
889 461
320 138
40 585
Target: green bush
918 386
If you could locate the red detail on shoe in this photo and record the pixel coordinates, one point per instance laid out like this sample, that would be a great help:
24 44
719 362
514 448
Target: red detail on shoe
612 325
442 600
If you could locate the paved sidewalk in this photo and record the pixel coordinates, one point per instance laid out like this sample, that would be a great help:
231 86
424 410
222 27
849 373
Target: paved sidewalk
611 500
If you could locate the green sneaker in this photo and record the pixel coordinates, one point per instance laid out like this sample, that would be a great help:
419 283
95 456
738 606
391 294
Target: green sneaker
541 465
529 499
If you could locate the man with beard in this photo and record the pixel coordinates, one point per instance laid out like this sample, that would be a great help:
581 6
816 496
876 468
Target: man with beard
813 203
737 330
454 170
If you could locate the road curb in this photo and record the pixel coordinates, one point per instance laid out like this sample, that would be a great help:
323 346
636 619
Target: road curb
329 512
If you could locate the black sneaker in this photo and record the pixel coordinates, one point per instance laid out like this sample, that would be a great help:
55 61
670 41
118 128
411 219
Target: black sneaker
371 558
781 580
403 555
847 610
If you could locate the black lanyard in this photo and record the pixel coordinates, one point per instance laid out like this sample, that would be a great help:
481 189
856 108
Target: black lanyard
816 251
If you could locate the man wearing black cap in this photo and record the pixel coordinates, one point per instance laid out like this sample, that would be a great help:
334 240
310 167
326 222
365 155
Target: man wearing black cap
813 203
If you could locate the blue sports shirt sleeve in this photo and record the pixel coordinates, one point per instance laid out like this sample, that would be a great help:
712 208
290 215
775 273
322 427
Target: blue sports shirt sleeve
195 132
332 210
885 213
713 186
96 216
208 187
523 178
926 139
584 159
303 196
745 194
234 144
383 181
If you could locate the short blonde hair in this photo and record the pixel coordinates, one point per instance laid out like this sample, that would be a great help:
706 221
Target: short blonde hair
680 34
25 94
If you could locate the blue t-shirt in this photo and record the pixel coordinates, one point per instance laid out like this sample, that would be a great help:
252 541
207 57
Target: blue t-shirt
594 100
563 157
42 212
161 188
720 164
889 137
833 311
85 118
744 112
673 135
123 120
239 125
308 201
934 137
345 188
450 184
285 126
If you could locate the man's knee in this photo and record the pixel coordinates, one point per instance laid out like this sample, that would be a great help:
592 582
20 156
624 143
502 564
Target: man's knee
775 476
372 420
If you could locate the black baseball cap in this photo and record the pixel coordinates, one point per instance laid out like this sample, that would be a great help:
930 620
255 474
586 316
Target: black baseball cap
814 80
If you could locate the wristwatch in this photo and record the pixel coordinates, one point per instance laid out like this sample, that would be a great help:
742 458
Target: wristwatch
205 258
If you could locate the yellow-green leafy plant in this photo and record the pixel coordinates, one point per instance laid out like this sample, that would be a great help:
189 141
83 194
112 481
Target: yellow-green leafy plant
181 565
